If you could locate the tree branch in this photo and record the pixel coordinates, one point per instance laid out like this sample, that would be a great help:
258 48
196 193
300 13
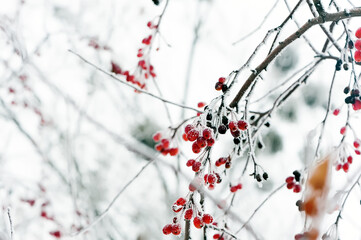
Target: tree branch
331 17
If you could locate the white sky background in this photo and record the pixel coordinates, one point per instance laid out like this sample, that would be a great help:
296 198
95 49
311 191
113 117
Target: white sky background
58 78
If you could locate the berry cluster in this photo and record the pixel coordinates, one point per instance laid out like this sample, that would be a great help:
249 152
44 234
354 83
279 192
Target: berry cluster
189 211
224 160
211 179
221 85
345 159
357 55
144 69
174 228
164 145
235 188
200 136
293 182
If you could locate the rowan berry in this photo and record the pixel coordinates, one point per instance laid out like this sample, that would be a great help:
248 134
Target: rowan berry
207 219
357 56
188 214
198 223
195 148
207 133
190 162
358 33
181 201
242 125
358 44
176 229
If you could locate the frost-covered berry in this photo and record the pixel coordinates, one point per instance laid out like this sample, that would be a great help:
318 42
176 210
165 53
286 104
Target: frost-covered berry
207 133
207 219
192 135
196 166
188 128
176 229
211 179
242 125
197 222
190 162
358 44
196 148
188 214
181 201
357 56
167 229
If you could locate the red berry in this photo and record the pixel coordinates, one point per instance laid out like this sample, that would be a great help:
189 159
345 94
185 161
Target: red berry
290 185
343 130
192 188
188 214
196 148
176 229
336 111
211 179
190 162
198 223
242 125
349 159
192 135
357 56
297 188
298 236
222 80
149 24
210 142
188 128
56 234
211 186
218 86
201 142
239 186
181 201
232 126
157 136
234 189
345 167
207 219
173 151
201 104
196 166
207 133
185 137
338 167
205 178
358 33
356 143
216 236
358 44
290 179
357 152
165 143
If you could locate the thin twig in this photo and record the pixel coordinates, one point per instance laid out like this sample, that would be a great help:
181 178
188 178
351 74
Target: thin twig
259 207
11 224
259 26
355 12
104 213
130 85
